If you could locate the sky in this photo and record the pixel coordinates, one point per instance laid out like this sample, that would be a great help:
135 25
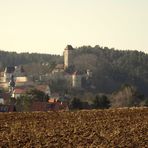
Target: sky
47 26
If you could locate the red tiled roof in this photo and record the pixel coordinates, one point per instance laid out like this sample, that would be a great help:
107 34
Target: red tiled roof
69 47
52 100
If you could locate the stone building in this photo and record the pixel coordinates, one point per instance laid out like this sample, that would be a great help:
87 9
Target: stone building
9 71
77 80
68 56
68 72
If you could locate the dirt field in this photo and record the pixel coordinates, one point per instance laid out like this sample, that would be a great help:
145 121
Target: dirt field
96 128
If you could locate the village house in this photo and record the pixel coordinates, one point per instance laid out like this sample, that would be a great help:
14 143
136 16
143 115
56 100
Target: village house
9 71
18 92
18 83
58 69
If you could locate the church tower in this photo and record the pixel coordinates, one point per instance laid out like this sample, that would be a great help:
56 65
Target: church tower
68 54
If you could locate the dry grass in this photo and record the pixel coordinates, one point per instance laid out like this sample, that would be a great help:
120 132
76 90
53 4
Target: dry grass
96 128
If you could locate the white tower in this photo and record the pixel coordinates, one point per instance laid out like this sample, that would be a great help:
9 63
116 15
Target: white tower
76 80
68 54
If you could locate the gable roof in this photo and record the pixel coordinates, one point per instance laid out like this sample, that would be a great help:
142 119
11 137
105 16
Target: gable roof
69 47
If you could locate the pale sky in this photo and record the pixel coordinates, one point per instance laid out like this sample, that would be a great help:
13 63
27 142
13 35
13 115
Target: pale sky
47 26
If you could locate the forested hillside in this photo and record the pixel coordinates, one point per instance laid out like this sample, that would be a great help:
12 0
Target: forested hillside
111 68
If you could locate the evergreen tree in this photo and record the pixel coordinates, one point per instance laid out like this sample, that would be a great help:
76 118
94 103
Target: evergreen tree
101 102
76 103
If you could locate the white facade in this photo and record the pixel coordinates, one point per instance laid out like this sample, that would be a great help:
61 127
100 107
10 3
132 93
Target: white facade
76 81
1 101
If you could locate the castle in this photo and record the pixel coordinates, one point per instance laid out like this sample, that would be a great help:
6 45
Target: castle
68 71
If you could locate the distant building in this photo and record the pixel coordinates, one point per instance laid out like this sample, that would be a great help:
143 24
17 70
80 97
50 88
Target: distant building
14 76
18 92
68 56
67 71
77 80
19 71
59 68
23 81
9 71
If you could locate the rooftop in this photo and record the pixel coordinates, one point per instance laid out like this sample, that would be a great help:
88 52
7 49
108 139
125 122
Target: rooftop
69 47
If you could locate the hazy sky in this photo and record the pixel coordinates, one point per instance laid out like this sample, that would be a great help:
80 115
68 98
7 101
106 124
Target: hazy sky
47 26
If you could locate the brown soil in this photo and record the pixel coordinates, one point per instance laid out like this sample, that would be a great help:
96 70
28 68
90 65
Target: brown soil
96 128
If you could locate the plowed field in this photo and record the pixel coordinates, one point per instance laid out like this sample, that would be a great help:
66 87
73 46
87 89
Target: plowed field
95 128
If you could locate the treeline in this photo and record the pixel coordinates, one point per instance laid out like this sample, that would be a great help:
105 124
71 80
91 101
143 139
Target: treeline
15 59
125 96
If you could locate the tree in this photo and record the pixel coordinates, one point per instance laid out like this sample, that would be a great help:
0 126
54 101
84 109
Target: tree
23 103
37 95
144 102
58 83
76 103
101 102
126 96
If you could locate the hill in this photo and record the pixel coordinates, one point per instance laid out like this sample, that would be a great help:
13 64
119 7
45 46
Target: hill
111 68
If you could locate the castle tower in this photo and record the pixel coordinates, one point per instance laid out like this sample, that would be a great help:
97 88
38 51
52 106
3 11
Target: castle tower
68 53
